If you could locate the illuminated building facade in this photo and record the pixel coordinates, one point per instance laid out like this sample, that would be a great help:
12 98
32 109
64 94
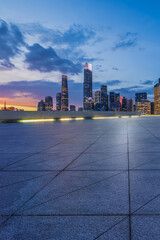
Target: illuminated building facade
130 107
87 85
112 101
124 104
58 101
157 98
97 107
97 97
140 96
144 106
41 106
117 101
64 96
89 105
48 103
104 98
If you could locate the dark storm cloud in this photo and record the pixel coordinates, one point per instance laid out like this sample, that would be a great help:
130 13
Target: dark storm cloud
65 57
47 60
11 39
128 40
67 43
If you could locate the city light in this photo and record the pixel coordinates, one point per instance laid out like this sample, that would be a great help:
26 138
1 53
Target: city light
37 120
65 119
80 118
94 118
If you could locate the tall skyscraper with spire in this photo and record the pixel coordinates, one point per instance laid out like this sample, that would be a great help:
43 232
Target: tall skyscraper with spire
87 85
64 94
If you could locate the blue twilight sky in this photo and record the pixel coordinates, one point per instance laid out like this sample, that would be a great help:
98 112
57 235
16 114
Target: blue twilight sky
41 40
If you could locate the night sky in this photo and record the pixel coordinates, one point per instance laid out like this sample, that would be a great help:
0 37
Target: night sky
41 40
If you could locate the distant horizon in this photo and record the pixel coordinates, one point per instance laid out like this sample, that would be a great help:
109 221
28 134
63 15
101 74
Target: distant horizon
37 47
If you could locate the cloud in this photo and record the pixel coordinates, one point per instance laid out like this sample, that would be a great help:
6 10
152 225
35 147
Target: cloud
47 60
148 82
115 69
113 82
11 39
128 40
76 35
129 92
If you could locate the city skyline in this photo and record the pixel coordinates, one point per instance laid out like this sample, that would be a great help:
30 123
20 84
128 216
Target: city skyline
39 48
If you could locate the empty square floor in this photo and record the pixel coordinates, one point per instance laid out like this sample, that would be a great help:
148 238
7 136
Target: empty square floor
80 180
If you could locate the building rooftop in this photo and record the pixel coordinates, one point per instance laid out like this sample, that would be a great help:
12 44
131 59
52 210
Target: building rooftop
80 180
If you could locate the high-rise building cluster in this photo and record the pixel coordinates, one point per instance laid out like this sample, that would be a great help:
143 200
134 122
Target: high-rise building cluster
100 100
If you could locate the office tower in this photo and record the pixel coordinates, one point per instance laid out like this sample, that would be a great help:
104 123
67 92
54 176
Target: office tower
104 98
124 104
130 107
152 107
157 98
80 109
64 96
144 106
97 97
98 107
117 101
48 103
112 101
58 101
41 106
140 96
87 85
72 108
89 105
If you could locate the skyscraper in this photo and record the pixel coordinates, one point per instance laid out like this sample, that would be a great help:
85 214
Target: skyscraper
130 105
104 98
143 106
112 101
124 104
41 106
140 96
48 103
117 101
157 98
72 108
58 101
87 85
97 97
64 96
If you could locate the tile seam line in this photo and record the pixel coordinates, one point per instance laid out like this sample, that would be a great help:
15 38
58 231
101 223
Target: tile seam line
6 220
129 185
33 154
118 173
